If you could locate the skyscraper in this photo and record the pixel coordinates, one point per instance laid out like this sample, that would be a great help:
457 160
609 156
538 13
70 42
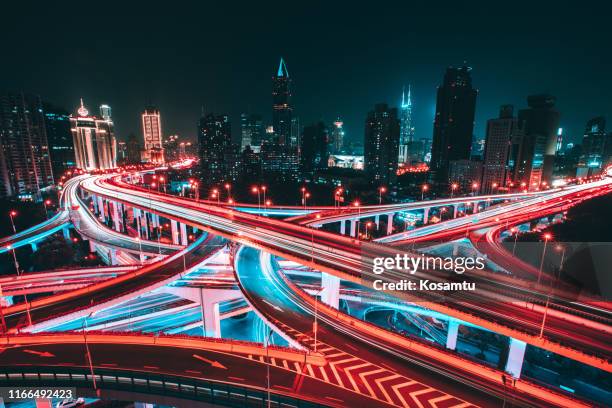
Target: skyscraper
533 151
281 105
105 112
313 149
295 132
152 135
337 137
251 130
381 144
134 149
59 137
593 146
25 164
214 138
498 144
406 127
95 147
454 121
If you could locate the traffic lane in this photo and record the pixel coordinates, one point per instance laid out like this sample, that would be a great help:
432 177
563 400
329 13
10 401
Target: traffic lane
280 304
155 273
227 368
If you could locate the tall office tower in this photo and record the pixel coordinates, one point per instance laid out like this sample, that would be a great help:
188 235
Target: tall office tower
295 132
95 147
337 137
381 144
105 112
25 165
59 137
281 105
251 130
498 145
406 127
152 135
454 122
313 150
593 147
214 137
533 151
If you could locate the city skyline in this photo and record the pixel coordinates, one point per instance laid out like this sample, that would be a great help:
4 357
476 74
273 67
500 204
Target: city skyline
236 82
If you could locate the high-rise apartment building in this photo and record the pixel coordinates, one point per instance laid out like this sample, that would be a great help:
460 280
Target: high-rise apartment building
336 142
498 145
453 122
25 163
152 135
593 146
281 105
313 149
252 132
95 147
381 144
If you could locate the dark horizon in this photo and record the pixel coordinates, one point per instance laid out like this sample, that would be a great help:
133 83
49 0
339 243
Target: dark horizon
342 62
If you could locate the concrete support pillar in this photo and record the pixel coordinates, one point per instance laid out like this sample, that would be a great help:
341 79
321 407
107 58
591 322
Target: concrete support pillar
342 227
66 232
116 221
101 209
377 221
353 228
425 215
516 356
174 231
145 223
183 229
92 246
137 217
455 210
194 230
34 246
94 201
112 256
389 224
211 318
330 293
475 210
451 336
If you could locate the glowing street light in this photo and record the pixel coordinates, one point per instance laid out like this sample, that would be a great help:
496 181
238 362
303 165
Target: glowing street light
228 187
454 187
547 236
424 188
381 190
337 195
474 188
46 203
367 227
12 214
515 231
256 190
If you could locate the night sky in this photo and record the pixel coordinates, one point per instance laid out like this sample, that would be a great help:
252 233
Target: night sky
343 58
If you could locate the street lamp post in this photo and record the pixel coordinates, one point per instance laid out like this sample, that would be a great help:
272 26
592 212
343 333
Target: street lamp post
306 197
268 365
423 190
46 203
12 214
228 187
381 190
256 189
88 353
547 236
453 188
303 190
515 232
474 188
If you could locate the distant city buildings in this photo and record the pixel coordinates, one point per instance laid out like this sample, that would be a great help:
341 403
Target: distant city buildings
133 150
59 137
95 147
152 136
533 150
280 163
406 128
453 122
498 146
466 173
381 144
25 163
345 161
214 138
281 105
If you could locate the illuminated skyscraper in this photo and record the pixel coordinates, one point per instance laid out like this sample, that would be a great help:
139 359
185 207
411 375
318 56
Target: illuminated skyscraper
281 105
337 139
313 149
381 143
25 165
59 137
152 135
593 146
251 130
105 112
454 121
95 147
214 139
406 127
